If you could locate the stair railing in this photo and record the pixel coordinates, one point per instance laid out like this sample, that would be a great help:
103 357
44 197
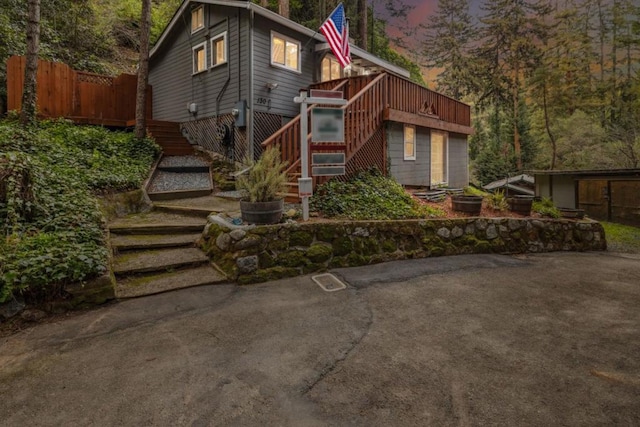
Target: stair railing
288 137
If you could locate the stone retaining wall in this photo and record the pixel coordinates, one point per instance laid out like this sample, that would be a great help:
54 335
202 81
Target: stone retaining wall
260 253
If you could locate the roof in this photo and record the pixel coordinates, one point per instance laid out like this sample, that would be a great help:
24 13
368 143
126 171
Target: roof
355 50
590 172
518 179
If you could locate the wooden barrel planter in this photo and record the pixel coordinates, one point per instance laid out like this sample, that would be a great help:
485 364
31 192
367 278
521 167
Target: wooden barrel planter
262 212
571 213
520 204
471 205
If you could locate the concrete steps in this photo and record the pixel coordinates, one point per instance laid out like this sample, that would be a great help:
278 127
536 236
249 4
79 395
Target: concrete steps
156 252
167 281
128 242
153 260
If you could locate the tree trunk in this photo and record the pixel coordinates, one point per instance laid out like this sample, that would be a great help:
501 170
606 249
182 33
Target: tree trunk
283 8
516 133
554 148
362 24
143 71
29 91
264 3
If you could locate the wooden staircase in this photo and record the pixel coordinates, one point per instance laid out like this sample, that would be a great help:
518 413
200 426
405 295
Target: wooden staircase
363 118
168 136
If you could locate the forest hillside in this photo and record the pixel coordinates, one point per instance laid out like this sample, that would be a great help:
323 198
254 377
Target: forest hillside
554 84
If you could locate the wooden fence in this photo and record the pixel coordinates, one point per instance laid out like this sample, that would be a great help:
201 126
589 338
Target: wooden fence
80 96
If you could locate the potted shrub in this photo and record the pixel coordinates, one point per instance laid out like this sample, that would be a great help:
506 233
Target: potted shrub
263 184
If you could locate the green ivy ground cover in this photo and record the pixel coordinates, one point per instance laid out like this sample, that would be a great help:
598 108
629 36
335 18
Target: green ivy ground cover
52 228
369 195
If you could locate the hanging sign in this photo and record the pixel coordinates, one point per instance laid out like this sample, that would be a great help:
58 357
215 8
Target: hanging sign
327 124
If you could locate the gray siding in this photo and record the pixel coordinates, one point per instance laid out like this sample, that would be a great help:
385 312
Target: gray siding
560 188
418 172
564 191
174 85
458 161
408 172
280 100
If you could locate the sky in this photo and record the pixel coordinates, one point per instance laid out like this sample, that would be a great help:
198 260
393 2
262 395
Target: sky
422 9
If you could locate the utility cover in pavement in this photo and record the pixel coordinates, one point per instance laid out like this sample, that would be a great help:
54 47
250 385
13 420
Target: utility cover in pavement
328 282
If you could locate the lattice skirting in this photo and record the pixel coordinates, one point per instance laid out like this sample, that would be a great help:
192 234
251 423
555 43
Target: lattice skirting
209 133
372 154
266 124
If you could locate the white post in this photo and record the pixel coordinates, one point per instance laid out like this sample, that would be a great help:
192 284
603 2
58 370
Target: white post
304 154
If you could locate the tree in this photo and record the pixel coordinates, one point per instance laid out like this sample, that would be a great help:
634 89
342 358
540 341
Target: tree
143 70
510 50
449 33
362 14
29 93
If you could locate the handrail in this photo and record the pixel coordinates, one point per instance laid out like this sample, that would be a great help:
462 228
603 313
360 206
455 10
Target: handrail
283 129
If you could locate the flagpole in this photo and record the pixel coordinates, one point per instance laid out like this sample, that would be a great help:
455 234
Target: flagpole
316 31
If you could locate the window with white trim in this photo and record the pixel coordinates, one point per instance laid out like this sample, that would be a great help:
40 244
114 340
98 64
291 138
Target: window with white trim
199 58
330 69
285 52
409 142
439 157
197 19
219 49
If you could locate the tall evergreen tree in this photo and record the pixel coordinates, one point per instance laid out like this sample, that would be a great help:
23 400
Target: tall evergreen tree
510 50
449 33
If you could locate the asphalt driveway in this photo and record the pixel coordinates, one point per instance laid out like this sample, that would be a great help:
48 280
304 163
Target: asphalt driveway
543 340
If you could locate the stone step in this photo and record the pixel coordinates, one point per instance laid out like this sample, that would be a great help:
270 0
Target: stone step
157 260
152 241
157 228
168 281
179 194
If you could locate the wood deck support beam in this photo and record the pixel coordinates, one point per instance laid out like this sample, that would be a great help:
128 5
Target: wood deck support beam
427 122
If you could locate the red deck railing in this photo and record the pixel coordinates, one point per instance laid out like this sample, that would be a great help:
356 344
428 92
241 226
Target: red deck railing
369 97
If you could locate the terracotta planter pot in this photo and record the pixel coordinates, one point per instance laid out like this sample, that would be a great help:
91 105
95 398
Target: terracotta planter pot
262 212
471 205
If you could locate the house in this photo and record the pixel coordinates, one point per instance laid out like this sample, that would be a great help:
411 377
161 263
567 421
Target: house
608 195
228 71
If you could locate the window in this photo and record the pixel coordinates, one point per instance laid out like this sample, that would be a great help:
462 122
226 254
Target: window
439 154
200 58
409 142
197 19
285 52
219 49
330 69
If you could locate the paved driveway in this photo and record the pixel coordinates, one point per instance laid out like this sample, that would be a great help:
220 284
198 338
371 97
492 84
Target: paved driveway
544 340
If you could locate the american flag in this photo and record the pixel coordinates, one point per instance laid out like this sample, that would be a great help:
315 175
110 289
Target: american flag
336 31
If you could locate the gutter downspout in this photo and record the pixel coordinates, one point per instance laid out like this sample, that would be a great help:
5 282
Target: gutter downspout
251 70
224 87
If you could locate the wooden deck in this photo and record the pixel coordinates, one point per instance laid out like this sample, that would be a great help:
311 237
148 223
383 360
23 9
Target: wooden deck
372 100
